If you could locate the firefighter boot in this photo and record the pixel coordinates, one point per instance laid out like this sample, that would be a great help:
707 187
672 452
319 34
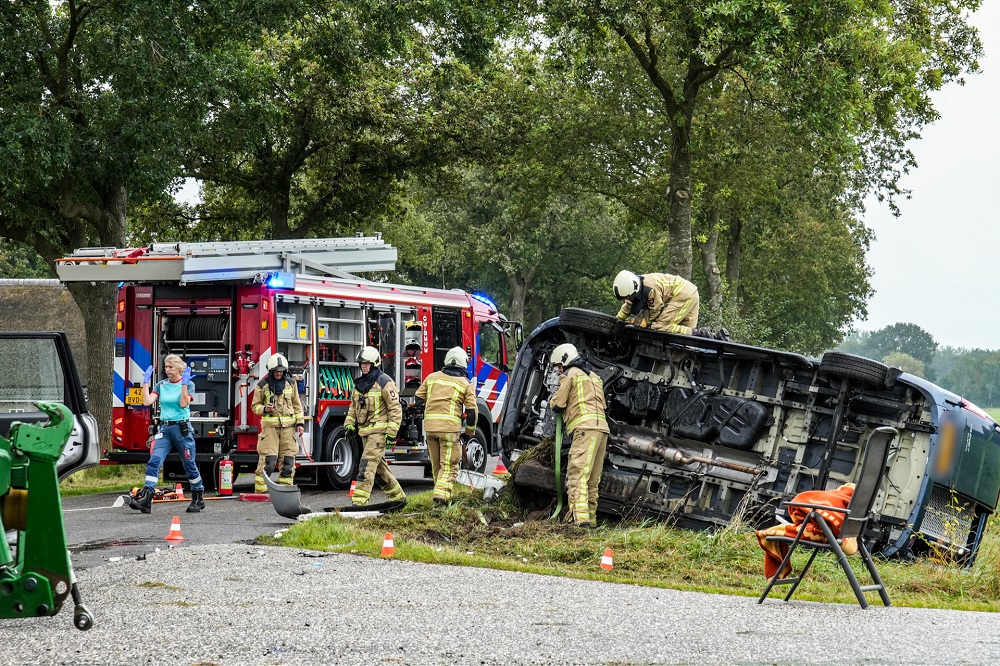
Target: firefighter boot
259 486
197 501
143 500
287 470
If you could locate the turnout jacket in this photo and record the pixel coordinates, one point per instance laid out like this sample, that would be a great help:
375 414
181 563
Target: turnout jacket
581 395
666 290
287 406
376 410
446 395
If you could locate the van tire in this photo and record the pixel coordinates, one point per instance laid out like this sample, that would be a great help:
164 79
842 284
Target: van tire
858 368
478 452
588 321
338 447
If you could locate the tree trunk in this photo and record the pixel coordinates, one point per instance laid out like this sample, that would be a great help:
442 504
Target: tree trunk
710 264
734 253
97 303
679 224
278 204
520 284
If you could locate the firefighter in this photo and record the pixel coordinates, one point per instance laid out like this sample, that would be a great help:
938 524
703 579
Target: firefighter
375 414
174 432
276 401
580 400
659 301
443 396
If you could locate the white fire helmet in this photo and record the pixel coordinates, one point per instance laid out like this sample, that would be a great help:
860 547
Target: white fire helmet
370 355
456 357
277 362
627 285
564 354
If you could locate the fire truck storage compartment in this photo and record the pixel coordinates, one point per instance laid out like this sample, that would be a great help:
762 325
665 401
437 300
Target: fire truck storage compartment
340 332
447 333
386 327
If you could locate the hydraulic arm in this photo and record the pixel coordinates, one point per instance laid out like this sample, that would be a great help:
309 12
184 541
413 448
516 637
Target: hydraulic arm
36 579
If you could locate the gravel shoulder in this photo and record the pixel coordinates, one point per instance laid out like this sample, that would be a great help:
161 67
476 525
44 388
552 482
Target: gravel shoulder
240 604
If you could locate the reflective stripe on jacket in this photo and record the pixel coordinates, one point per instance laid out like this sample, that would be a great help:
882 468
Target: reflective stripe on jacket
381 411
581 395
446 397
287 406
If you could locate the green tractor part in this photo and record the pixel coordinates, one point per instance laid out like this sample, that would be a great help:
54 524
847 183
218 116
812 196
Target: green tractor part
36 580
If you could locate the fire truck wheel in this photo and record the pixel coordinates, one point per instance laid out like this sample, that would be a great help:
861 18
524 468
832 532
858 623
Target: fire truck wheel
339 448
475 452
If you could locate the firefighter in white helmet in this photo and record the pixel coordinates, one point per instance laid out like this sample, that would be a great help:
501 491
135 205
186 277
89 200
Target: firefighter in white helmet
276 401
660 301
580 400
444 395
375 414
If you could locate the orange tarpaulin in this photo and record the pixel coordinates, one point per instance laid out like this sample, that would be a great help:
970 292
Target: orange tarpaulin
775 551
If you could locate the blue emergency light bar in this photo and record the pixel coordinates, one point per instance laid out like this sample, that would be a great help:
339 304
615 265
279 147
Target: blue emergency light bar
281 280
483 298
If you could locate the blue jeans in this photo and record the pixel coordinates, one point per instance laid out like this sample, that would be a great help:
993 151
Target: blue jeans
170 438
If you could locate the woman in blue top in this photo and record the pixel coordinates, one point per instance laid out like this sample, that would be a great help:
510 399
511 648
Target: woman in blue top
174 394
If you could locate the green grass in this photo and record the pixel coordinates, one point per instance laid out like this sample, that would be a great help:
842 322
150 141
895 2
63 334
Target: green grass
105 478
729 561
994 412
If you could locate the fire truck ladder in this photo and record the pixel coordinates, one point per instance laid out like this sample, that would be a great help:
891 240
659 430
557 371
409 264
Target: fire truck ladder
238 261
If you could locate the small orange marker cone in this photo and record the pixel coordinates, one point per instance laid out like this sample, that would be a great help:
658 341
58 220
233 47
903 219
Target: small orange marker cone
607 561
500 468
179 492
354 484
388 547
175 531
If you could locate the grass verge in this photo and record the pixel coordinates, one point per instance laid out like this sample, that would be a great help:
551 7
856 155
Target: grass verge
105 478
729 561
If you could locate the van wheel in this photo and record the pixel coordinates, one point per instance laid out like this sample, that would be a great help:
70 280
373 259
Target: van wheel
859 368
578 319
339 448
475 453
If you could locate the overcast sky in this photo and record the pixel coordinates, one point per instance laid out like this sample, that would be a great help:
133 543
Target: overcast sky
938 265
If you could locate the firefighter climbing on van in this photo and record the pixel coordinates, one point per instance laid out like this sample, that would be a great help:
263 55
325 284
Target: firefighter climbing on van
375 414
443 396
277 402
662 302
174 432
580 401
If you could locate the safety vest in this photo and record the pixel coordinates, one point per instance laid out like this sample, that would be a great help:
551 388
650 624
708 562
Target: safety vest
581 395
377 410
447 397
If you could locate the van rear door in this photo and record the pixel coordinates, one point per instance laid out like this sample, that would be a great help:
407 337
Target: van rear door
39 367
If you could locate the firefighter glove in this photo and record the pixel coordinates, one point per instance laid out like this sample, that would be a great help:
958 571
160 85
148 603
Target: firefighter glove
186 375
619 328
147 375
350 427
390 440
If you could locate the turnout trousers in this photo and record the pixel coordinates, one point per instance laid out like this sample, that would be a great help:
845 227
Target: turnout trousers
583 475
445 451
373 465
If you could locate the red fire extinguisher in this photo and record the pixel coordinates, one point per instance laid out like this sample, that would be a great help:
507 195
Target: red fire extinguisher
225 476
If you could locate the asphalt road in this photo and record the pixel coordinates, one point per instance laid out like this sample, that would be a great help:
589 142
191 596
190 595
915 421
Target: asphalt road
213 601
100 532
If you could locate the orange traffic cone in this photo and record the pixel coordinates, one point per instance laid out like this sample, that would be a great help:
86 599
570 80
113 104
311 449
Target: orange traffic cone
607 561
388 547
500 468
179 492
175 531
354 484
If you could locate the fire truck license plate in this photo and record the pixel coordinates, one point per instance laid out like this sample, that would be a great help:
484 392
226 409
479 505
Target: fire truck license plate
134 396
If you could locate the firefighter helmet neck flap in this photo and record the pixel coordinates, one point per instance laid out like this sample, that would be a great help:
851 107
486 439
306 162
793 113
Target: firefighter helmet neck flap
456 362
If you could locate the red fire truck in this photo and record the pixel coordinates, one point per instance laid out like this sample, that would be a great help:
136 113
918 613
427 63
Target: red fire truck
227 307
